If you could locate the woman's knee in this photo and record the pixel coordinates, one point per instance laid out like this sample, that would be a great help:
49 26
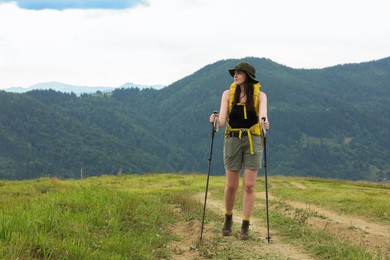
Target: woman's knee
232 180
231 186
248 187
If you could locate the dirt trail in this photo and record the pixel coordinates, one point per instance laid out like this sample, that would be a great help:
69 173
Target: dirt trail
257 247
298 185
185 248
374 237
283 250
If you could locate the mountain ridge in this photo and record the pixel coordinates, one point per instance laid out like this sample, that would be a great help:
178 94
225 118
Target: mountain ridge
77 89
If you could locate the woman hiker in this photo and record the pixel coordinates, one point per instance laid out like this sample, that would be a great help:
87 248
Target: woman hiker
242 108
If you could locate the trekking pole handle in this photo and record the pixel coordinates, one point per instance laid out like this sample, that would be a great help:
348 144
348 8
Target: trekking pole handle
216 123
263 126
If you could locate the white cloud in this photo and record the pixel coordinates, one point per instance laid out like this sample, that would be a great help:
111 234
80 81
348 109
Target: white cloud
170 39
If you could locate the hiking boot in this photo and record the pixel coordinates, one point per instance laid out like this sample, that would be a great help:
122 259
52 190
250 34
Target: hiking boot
244 235
227 226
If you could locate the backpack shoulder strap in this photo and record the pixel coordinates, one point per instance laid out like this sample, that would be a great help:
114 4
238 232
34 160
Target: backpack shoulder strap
231 98
256 91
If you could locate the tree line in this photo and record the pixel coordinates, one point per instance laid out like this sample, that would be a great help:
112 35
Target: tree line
331 123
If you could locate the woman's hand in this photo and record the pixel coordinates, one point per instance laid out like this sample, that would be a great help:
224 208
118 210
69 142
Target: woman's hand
212 117
266 122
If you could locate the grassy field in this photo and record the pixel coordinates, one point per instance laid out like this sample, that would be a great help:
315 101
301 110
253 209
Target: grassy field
139 217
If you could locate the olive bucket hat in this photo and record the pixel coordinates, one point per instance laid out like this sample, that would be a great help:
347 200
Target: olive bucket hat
249 70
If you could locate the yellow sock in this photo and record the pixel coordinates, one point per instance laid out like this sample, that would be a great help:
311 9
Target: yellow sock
246 218
229 213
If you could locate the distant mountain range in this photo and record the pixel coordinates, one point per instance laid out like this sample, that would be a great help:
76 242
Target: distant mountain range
78 90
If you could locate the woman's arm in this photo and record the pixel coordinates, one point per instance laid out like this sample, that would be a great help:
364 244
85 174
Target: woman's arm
223 110
263 108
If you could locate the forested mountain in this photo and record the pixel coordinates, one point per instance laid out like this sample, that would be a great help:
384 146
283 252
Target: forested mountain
332 122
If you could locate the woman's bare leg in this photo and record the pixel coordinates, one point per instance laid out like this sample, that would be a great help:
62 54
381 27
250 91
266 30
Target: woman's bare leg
231 187
248 186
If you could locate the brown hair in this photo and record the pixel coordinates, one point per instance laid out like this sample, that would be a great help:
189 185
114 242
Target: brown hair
250 106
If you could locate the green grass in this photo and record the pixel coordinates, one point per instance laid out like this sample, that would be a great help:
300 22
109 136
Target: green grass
131 216
121 217
318 242
368 200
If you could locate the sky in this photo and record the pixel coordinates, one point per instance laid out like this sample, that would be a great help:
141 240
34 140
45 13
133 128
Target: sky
109 43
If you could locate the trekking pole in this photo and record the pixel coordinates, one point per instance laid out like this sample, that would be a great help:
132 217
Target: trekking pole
264 133
214 128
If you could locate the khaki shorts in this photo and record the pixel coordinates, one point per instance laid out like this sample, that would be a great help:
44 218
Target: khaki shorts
236 153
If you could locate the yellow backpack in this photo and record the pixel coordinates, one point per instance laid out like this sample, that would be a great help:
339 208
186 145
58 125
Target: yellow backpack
255 129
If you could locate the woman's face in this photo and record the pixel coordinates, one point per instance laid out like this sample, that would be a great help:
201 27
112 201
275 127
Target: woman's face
239 77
